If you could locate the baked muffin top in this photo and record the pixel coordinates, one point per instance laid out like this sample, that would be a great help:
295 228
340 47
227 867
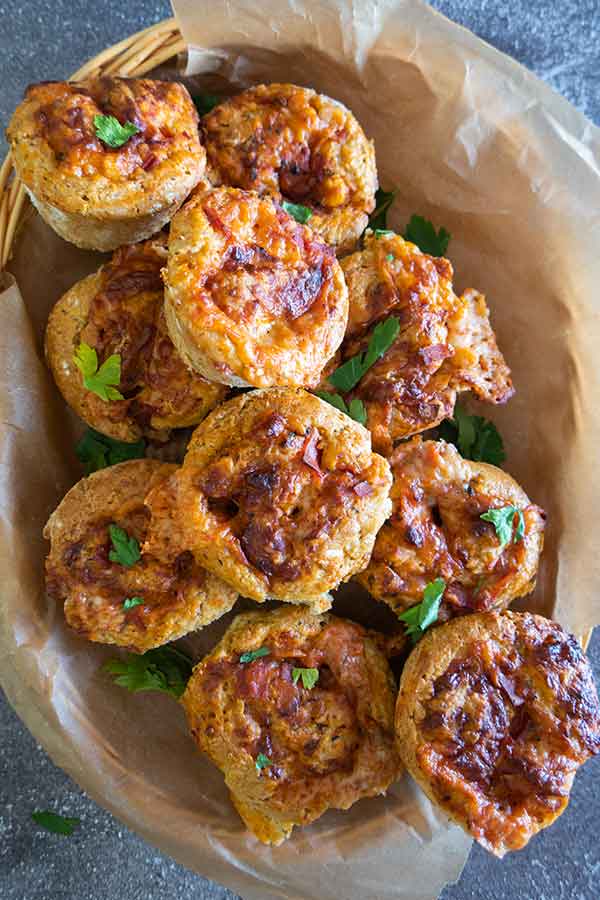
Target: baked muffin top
62 154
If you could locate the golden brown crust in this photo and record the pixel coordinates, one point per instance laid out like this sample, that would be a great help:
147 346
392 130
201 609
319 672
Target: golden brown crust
445 344
496 712
179 596
327 746
298 146
279 494
436 531
252 297
119 310
94 195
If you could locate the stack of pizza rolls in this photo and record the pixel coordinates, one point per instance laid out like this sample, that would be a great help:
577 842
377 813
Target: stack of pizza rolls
309 352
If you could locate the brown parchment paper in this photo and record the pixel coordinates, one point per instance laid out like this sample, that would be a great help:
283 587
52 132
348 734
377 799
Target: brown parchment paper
477 144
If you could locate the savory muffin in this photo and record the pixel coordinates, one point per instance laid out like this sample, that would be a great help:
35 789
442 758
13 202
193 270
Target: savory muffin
279 494
113 592
118 311
444 344
297 711
300 147
107 161
436 530
496 712
252 297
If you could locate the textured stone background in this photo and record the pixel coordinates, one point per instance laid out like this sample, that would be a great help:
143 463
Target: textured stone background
40 39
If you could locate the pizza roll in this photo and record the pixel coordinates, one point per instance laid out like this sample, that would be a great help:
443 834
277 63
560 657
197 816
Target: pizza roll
119 310
253 298
113 593
496 712
436 531
107 161
445 344
298 146
279 494
297 711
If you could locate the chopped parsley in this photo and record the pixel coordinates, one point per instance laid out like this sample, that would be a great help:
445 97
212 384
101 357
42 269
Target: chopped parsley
349 373
422 232
125 549
418 618
112 133
54 822
102 381
476 438
251 655
131 602
262 762
165 669
97 451
356 408
309 677
506 520
205 102
300 213
383 201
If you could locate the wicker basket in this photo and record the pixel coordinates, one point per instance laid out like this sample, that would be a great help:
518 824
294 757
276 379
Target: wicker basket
136 55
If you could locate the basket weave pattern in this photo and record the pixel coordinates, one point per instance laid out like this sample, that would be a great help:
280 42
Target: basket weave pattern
135 55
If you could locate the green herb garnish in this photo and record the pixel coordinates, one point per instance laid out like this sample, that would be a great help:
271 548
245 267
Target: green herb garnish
383 201
125 549
251 655
165 669
356 409
262 762
476 438
421 232
382 232
205 102
504 521
53 822
300 213
131 602
418 618
349 374
102 381
309 677
112 133
97 451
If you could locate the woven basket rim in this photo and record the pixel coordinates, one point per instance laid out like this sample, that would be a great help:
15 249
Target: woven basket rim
134 55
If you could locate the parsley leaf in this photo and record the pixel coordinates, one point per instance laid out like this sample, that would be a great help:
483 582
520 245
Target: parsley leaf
300 213
356 410
383 201
503 520
126 550
476 438
262 762
251 655
349 374
421 232
131 602
418 618
53 822
205 102
101 380
165 669
97 451
111 132
309 677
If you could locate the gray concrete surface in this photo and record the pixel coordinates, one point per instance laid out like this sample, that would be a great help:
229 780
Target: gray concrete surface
103 860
